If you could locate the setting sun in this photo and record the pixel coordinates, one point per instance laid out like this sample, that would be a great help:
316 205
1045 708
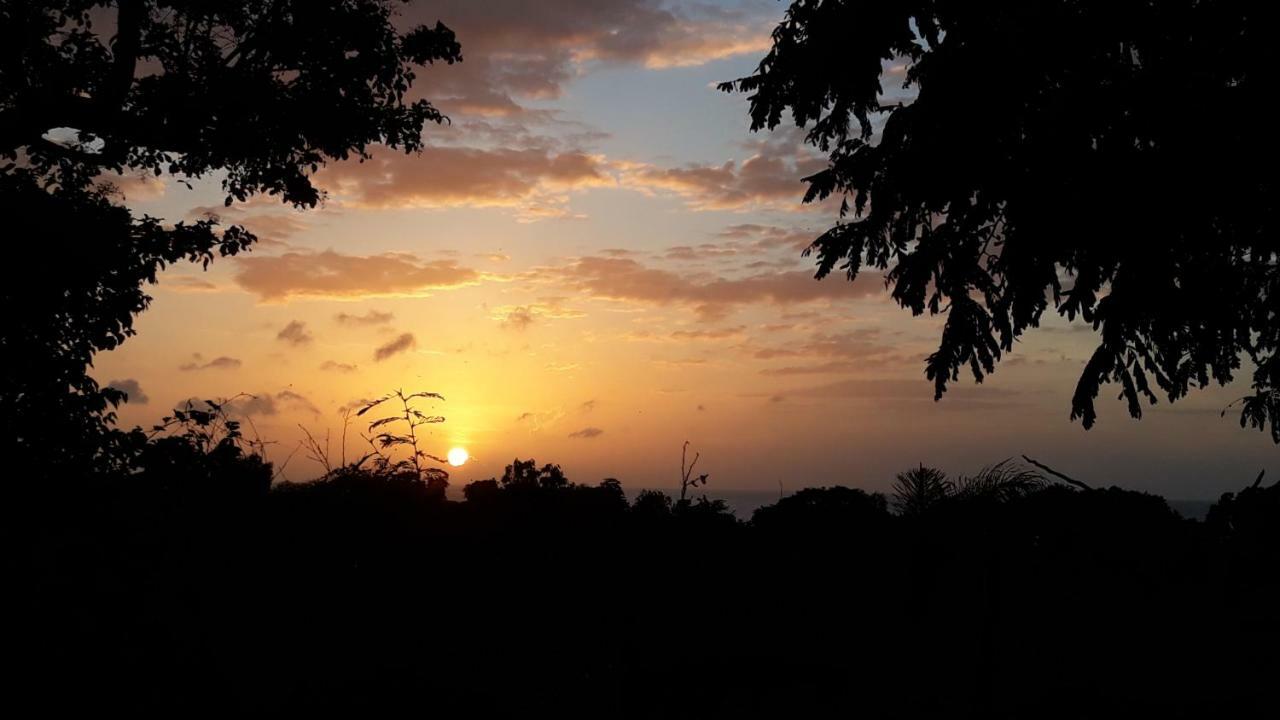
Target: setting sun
458 456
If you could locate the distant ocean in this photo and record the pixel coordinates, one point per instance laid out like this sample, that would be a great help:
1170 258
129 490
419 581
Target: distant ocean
745 502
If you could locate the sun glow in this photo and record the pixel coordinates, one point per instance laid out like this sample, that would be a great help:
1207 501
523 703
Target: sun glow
458 456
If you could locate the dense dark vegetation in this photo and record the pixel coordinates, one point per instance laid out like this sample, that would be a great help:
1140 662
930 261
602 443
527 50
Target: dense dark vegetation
165 572
191 584
1043 157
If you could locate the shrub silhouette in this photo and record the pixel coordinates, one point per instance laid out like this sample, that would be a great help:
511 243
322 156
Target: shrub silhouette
367 589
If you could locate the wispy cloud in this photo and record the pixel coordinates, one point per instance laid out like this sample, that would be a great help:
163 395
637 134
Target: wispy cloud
221 362
295 333
403 342
132 388
333 274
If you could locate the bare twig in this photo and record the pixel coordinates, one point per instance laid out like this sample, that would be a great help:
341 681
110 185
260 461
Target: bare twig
686 472
1051 471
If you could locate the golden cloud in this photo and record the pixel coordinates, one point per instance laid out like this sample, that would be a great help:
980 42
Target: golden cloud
531 181
335 275
712 298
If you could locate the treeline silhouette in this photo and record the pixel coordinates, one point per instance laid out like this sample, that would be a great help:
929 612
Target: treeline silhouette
190 583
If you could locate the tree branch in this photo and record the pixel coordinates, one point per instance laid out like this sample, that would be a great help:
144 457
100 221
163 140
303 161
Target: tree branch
1055 473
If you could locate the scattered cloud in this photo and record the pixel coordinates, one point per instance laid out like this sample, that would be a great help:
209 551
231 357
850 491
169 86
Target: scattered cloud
587 433
295 333
402 343
333 274
297 400
130 387
920 390
712 298
709 334
133 187
520 317
373 317
516 318
334 366
827 368
770 237
221 362
265 404
531 181
563 37
771 177
540 420
271 224
187 283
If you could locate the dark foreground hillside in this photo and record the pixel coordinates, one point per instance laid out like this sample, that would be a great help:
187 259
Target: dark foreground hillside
190 586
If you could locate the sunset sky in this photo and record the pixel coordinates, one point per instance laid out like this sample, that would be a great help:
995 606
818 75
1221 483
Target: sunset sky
597 261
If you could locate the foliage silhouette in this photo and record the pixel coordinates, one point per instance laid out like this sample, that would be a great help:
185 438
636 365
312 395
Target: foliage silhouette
918 490
366 590
1044 157
262 93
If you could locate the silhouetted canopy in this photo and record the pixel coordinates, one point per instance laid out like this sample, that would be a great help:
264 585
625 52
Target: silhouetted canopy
260 92
1108 161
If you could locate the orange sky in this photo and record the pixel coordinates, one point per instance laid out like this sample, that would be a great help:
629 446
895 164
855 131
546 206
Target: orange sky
596 262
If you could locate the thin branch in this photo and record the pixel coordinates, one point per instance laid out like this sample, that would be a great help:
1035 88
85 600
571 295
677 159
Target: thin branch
1051 471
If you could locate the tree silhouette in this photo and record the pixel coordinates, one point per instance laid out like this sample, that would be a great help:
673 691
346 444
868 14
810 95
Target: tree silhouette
262 93
920 489
1108 161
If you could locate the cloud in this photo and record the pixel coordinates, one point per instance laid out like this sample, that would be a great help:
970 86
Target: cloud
264 404
844 352
716 334
294 399
910 390
520 317
771 177
540 420
587 406
587 433
130 387
517 318
532 181
334 366
133 187
681 362
295 333
513 52
832 367
373 317
855 344
770 237
245 405
713 298
402 343
221 362
272 225
333 274
187 283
